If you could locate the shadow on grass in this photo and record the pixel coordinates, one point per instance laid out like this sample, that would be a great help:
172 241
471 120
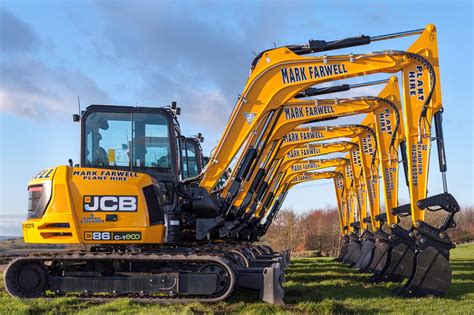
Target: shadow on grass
462 283
318 291
458 290
462 265
324 279
312 277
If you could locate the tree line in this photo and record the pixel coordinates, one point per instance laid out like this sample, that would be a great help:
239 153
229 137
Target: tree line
318 230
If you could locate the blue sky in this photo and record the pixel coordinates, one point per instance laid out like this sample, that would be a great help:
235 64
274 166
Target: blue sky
198 54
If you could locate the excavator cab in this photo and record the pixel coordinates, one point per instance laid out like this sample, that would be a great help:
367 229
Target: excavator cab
128 138
148 141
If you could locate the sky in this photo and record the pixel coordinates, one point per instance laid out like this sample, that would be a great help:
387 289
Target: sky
197 53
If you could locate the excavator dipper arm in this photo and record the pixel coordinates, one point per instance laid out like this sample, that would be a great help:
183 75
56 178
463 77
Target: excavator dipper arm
280 74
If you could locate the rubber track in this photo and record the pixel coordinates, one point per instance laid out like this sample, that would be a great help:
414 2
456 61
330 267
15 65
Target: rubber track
81 256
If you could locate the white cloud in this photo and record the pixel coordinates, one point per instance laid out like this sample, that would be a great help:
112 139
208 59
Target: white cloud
30 88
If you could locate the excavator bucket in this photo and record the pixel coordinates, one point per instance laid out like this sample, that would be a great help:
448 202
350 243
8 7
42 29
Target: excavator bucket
353 250
382 250
431 274
401 255
382 254
366 251
344 246
285 259
401 259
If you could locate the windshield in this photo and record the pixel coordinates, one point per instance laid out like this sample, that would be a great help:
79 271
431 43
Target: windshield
129 140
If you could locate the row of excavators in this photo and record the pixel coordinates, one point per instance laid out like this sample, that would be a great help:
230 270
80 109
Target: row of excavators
152 219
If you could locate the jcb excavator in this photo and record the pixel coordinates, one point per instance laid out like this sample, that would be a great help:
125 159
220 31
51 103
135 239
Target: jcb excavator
286 72
381 106
361 155
255 229
288 117
120 204
152 232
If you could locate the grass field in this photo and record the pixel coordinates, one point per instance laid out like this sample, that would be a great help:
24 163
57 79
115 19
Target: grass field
314 285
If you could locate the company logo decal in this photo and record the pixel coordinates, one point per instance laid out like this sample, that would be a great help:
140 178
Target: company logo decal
110 203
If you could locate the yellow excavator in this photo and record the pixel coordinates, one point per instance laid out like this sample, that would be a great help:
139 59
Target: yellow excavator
287 72
152 231
121 204
294 114
381 106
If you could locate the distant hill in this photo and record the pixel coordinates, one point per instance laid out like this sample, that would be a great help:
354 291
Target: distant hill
10 225
4 238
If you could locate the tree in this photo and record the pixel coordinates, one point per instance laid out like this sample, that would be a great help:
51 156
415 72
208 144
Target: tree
285 232
319 229
322 231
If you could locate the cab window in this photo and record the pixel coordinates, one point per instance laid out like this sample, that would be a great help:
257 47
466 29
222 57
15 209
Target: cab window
132 140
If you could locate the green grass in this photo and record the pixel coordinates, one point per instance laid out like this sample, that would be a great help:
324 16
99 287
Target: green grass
314 285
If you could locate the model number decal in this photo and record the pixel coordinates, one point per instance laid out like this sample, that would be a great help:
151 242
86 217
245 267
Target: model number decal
110 203
112 236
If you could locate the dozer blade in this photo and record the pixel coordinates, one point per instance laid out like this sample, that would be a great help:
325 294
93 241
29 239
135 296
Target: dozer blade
367 252
272 291
268 281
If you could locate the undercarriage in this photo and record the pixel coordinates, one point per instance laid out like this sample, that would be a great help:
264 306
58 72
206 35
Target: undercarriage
205 273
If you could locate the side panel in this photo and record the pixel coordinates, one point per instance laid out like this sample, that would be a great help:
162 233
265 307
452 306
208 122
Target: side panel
97 206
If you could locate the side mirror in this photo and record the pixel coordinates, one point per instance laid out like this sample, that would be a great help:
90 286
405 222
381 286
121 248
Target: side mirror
200 137
76 117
